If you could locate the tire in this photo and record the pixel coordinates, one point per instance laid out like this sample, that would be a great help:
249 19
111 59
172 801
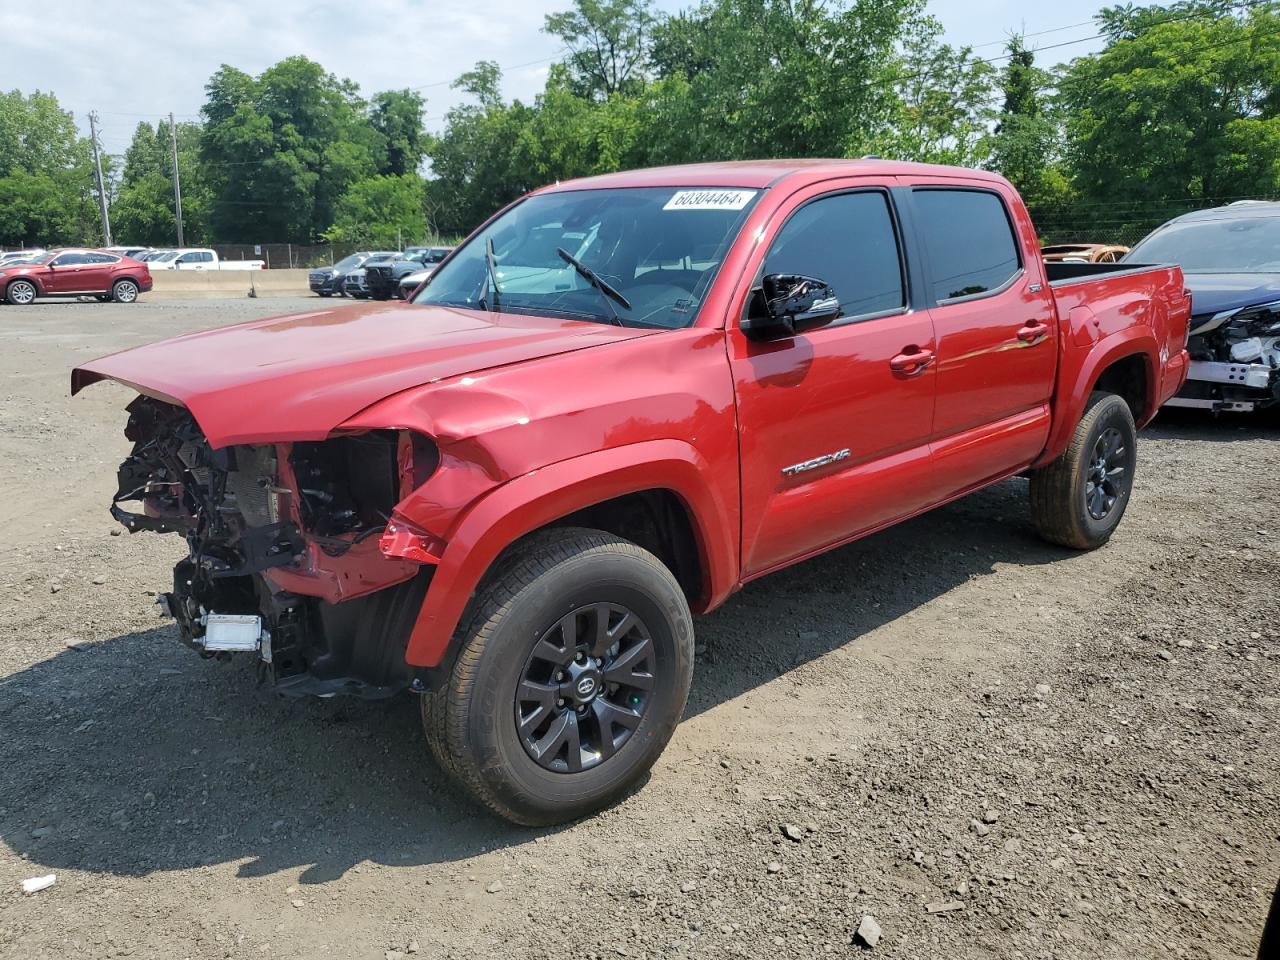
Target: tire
124 291
1069 505
21 292
512 633
324 294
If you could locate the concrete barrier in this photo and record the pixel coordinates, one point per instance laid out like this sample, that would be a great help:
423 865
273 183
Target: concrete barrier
227 284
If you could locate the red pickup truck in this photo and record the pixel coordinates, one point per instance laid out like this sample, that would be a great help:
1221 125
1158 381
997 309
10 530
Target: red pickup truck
617 402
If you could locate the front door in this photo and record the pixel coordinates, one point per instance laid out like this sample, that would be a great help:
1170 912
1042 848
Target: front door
834 422
65 273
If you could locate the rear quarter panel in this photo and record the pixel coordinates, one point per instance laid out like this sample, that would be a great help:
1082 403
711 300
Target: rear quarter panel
1103 320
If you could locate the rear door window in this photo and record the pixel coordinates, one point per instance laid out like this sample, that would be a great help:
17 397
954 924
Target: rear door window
847 240
969 239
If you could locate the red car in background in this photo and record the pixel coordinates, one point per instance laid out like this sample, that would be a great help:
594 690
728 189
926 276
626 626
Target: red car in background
75 273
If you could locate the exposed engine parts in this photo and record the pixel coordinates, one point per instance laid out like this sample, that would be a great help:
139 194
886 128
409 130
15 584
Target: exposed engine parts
1235 361
273 532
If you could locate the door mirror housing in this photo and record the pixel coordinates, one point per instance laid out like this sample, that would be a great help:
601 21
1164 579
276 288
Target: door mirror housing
787 304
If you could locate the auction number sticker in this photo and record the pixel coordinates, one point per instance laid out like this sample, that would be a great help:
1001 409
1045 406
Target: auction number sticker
710 200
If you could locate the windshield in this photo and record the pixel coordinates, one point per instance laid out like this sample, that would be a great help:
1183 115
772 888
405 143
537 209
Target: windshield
348 263
165 257
1226 245
659 247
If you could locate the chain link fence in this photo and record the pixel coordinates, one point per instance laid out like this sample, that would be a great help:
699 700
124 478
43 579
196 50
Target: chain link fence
1123 223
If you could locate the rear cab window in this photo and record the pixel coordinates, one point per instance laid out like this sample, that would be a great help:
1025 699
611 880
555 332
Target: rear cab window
969 240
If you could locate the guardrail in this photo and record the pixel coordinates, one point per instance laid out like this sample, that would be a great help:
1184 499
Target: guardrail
227 284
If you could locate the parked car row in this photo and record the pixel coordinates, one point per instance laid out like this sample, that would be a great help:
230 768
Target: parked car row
104 274
379 275
186 258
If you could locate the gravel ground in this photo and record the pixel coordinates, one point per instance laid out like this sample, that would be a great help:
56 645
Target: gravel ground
993 747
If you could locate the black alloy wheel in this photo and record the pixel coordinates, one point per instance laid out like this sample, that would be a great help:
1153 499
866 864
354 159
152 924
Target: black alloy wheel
585 687
572 670
1105 480
1079 498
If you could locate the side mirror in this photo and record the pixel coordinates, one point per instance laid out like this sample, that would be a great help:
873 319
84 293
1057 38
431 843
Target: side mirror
787 304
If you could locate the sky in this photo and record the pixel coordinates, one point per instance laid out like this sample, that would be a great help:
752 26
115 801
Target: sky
139 61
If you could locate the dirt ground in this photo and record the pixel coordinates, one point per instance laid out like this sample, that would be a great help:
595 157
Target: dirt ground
1076 756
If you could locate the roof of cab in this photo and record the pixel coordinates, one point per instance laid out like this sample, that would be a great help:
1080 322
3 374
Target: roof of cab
759 174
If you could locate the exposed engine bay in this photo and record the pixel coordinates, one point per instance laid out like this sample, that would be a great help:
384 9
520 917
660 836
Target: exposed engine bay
1235 360
283 549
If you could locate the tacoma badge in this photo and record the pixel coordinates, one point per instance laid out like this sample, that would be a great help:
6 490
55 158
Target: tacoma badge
816 462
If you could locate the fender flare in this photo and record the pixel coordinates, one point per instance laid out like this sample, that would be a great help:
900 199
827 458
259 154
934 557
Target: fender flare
30 278
1074 395
542 496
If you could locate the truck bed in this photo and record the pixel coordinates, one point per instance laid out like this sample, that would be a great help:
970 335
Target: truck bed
1062 274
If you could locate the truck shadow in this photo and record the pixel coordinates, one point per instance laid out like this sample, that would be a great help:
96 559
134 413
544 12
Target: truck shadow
136 757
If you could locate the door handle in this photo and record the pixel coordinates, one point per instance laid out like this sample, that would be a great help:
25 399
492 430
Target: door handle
911 360
1032 331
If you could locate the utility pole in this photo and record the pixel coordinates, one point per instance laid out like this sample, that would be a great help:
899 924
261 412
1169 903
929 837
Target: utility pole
102 190
177 187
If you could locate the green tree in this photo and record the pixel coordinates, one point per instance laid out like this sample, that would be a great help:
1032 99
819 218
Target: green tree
143 209
773 78
477 163
47 190
1025 144
280 150
608 44
941 111
1181 105
397 116
381 211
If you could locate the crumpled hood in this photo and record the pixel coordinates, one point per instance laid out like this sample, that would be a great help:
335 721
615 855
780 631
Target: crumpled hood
298 377
1211 293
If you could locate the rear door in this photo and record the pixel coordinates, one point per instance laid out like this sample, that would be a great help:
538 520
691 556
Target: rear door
95 277
997 331
834 423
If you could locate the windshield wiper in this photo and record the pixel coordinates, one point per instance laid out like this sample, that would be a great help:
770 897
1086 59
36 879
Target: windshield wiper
492 266
606 289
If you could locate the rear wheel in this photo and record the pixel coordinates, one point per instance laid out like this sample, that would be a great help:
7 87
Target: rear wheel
574 671
124 291
20 292
1079 499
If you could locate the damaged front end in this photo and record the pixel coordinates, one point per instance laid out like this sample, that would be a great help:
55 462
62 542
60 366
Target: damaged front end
283 547
1235 360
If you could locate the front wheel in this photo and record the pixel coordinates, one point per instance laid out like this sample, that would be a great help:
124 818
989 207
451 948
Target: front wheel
1078 500
574 671
124 291
20 292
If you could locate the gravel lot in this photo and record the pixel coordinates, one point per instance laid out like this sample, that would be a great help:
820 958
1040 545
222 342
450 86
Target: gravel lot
993 747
